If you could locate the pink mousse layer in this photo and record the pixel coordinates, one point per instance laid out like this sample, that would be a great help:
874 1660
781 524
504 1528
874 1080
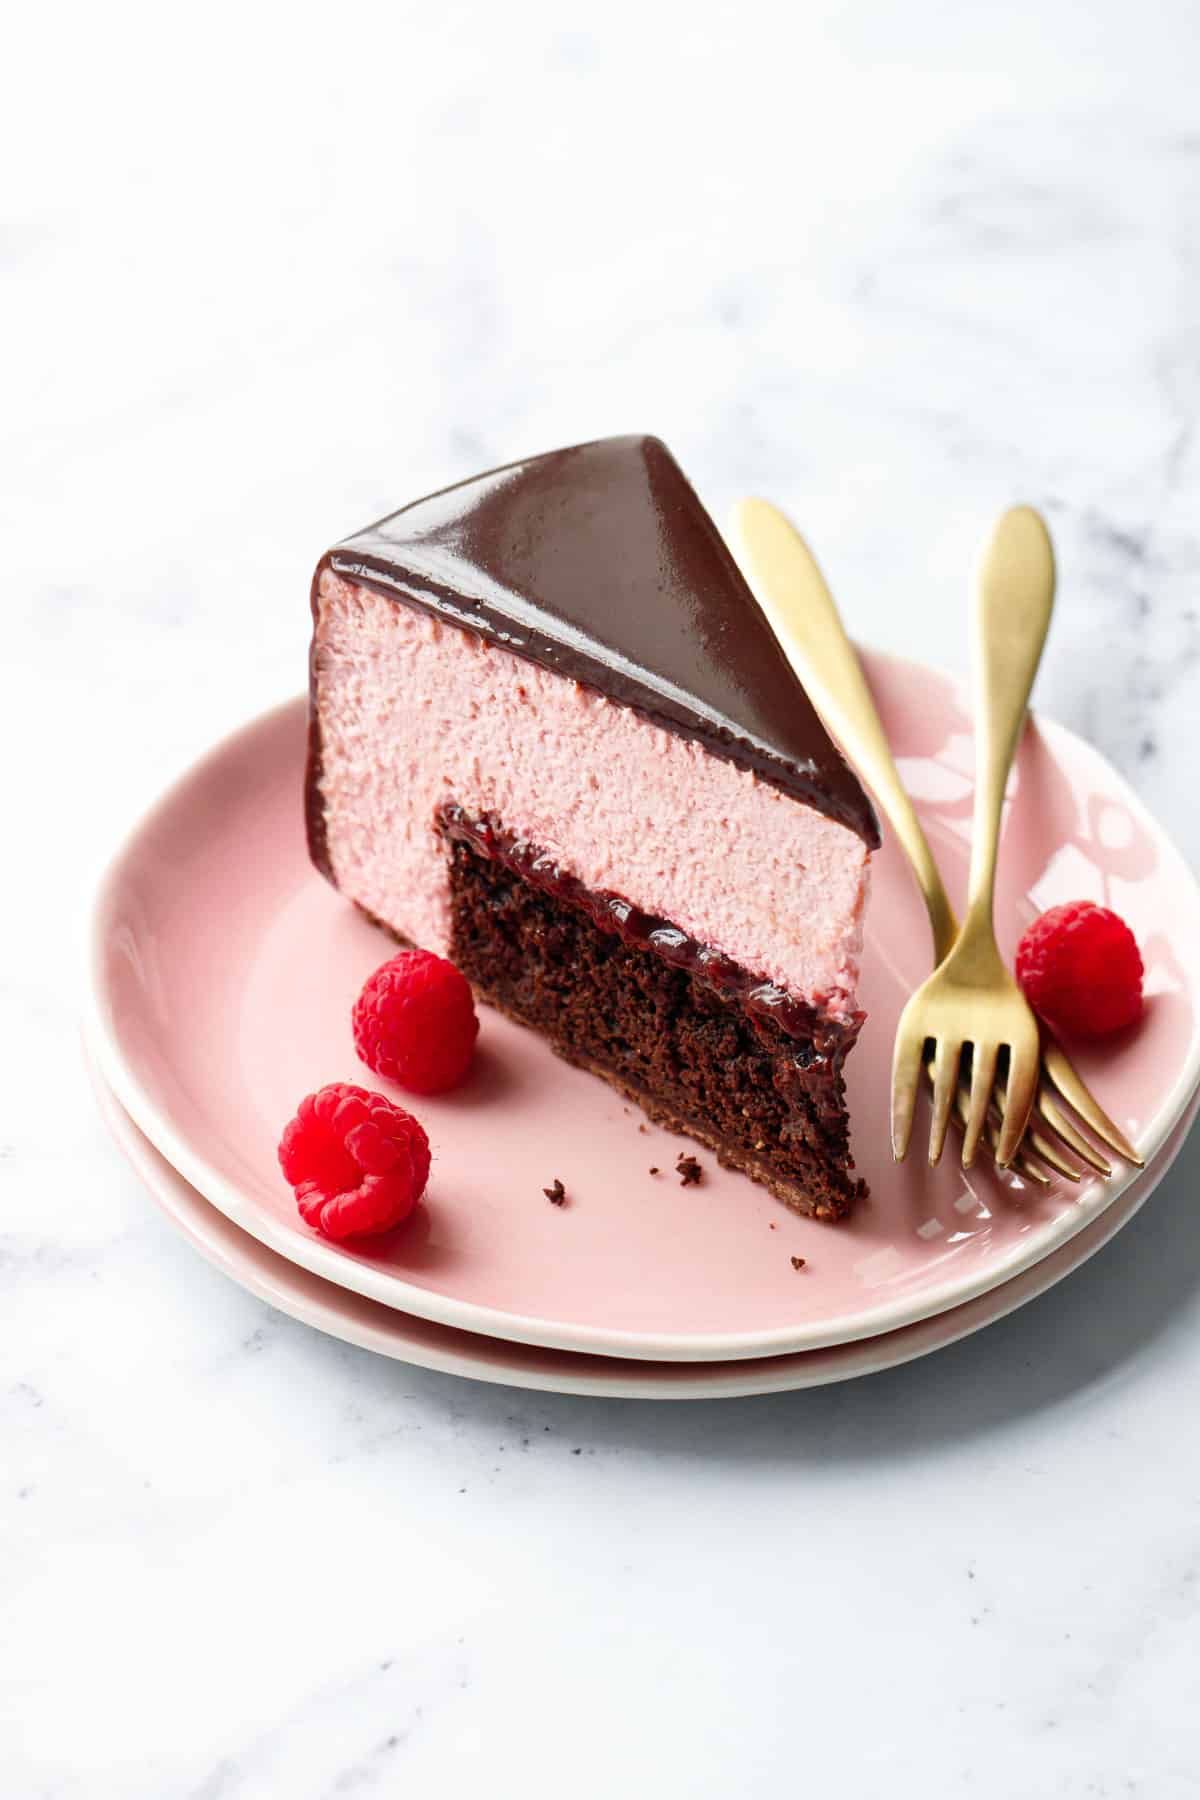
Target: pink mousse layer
415 713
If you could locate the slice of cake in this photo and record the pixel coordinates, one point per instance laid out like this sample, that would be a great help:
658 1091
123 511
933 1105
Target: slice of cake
554 739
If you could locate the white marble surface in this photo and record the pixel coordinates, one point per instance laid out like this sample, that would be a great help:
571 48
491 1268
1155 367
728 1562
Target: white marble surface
266 273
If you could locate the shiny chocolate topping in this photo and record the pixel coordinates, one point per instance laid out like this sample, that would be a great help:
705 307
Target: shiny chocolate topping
600 563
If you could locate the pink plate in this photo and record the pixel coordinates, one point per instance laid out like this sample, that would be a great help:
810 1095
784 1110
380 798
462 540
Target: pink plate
222 976
347 1315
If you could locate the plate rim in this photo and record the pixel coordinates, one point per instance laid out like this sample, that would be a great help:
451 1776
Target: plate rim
325 1260
740 1378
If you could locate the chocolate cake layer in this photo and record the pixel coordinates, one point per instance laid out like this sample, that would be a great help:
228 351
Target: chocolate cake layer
600 564
703 1046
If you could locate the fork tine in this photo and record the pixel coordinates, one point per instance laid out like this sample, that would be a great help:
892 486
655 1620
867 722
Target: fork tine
991 1136
1057 1120
907 1059
1034 1141
1072 1089
1024 1163
1019 1089
980 1104
946 1057
983 1078
1034 1149
1049 1152
1021 1165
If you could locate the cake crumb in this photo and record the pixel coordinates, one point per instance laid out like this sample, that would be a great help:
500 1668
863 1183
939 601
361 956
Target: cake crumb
798 1262
556 1194
772 1224
656 1171
688 1170
641 1128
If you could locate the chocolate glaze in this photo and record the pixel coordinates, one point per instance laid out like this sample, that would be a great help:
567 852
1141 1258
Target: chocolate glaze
600 563
823 1040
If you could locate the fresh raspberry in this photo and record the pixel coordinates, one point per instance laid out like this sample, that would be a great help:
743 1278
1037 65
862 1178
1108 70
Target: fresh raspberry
358 1164
415 1024
1081 969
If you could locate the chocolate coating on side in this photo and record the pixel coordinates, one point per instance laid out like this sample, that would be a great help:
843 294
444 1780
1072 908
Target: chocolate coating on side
600 563
316 828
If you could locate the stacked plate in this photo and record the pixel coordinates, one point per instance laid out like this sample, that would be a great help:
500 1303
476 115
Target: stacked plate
220 981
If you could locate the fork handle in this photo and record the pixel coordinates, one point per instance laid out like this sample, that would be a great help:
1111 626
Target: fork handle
783 575
1013 602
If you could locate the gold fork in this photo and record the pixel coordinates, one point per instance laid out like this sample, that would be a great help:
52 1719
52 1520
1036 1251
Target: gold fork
971 1001
801 610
